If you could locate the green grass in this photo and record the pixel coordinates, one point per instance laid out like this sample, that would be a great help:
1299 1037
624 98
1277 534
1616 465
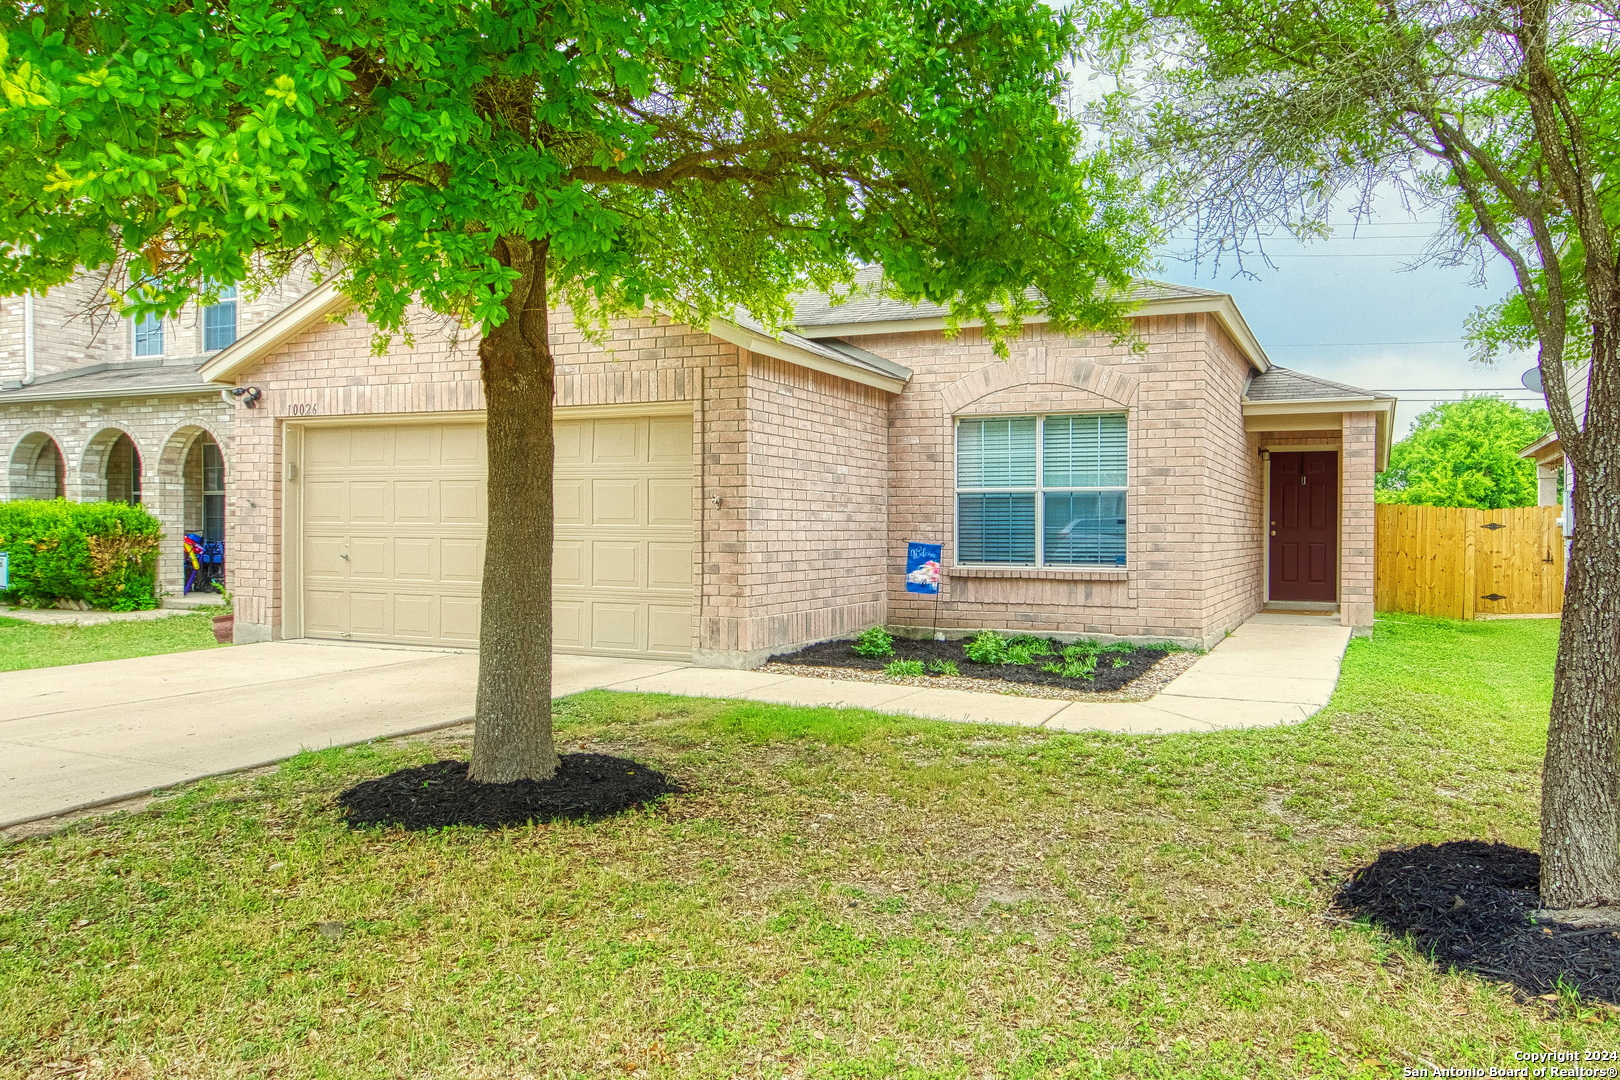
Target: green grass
837 895
30 645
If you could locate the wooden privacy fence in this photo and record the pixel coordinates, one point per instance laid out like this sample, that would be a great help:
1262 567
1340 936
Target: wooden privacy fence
1461 563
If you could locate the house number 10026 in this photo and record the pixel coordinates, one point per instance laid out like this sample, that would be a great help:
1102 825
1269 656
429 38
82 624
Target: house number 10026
301 410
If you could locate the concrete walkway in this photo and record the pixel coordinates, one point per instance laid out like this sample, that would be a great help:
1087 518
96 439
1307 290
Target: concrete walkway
62 617
75 737
1274 669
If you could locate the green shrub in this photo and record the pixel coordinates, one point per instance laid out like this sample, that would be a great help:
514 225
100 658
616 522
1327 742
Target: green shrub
944 667
1073 667
874 644
903 667
1025 650
986 647
989 647
103 553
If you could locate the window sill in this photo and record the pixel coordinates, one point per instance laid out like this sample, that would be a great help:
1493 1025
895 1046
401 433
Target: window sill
1042 573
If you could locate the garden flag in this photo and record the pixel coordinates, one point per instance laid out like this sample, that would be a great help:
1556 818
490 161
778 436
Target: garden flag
922 568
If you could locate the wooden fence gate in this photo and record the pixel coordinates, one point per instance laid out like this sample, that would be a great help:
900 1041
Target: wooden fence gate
1461 563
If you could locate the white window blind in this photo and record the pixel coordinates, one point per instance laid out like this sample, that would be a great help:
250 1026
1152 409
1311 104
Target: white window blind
1042 490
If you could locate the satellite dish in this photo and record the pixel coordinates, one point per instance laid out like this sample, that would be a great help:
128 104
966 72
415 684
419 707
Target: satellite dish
1532 380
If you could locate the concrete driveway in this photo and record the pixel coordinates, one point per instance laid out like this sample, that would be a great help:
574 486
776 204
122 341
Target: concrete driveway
78 736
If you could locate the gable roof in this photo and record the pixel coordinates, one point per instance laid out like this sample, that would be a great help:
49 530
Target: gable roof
817 315
1280 384
739 330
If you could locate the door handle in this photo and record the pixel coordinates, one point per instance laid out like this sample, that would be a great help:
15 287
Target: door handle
344 555
1273 533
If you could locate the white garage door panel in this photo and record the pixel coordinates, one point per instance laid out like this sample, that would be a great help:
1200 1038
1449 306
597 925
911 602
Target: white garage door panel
622 560
393 534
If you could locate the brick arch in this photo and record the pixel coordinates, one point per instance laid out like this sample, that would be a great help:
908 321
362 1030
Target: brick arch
1035 367
93 463
169 503
37 468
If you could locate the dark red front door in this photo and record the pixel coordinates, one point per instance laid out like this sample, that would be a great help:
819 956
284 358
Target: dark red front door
1304 525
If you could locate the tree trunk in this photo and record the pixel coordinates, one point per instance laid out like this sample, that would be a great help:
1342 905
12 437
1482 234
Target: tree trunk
1580 798
512 736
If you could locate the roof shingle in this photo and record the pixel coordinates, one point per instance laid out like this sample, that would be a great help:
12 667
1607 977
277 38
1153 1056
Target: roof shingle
865 305
1281 384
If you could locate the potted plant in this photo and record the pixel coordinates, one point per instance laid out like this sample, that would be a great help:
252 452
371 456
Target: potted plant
225 625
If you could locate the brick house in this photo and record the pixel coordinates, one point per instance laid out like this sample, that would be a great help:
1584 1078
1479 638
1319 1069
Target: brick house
93 406
724 492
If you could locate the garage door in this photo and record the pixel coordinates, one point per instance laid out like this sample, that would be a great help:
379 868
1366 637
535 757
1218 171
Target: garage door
622 582
393 528
393 545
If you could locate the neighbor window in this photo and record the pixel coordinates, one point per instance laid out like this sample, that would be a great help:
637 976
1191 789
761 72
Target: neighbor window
1041 490
149 336
219 321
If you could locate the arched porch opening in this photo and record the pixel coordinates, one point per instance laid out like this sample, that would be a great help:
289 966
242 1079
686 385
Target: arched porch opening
113 469
191 473
37 469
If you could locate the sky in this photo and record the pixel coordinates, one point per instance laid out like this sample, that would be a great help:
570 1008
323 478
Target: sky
1355 309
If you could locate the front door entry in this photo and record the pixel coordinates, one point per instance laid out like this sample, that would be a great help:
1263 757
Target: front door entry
1304 525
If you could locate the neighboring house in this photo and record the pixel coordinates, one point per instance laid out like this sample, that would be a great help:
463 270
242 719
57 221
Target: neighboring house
723 493
94 406
1555 479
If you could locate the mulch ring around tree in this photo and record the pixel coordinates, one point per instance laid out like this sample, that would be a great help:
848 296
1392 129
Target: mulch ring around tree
585 787
1469 905
1106 679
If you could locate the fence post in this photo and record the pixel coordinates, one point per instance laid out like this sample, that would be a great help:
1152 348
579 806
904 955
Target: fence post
1470 569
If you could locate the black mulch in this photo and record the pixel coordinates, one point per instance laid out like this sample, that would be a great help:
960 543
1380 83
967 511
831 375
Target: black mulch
1469 905
586 786
838 654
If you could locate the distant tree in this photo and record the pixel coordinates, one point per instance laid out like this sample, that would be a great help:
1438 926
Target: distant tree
1466 453
491 160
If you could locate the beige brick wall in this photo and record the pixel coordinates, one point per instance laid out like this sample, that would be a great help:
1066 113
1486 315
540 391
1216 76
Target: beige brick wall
1192 543
812 499
1360 466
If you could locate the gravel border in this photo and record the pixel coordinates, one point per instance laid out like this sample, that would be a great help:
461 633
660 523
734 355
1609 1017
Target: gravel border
1141 688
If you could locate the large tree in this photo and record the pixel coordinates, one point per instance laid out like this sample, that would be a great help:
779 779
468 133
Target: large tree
491 159
1466 453
1502 115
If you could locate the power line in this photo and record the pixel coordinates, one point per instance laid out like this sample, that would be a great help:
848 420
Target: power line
1328 255
1357 344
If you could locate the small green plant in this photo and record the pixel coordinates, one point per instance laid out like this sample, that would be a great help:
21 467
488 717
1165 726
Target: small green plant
986 647
1122 661
1073 667
1078 660
874 644
904 667
990 647
944 667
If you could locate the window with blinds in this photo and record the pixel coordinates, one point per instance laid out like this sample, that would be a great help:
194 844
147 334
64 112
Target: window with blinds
149 336
1041 490
219 321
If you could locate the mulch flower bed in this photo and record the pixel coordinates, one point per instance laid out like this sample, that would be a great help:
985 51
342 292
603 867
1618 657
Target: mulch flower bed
1105 679
585 787
1469 905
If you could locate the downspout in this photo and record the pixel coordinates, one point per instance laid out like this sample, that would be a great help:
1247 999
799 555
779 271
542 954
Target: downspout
28 338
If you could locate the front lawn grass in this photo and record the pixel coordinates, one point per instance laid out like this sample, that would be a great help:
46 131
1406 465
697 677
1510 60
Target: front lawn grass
839 894
31 645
